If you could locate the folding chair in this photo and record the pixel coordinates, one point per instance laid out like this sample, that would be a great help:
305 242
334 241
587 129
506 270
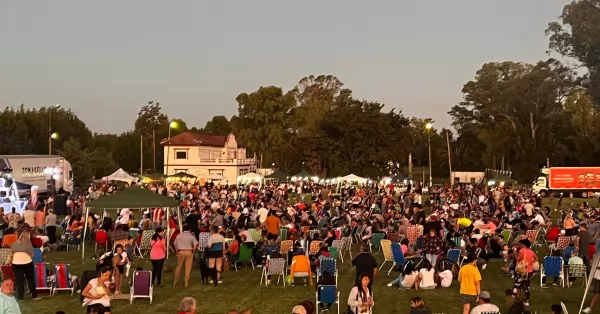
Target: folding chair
577 271
532 235
388 256
145 243
62 279
203 240
413 235
506 235
102 241
553 267
347 246
375 240
256 235
339 246
354 232
397 255
282 234
314 248
41 278
141 285
327 265
394 237
274 267
567 252
328 294
562 243
4 254
245 256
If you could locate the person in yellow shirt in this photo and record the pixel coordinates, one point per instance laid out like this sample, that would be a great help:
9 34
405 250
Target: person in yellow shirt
465 224
470 282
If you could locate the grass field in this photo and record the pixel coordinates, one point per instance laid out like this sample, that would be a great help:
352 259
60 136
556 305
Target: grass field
241 291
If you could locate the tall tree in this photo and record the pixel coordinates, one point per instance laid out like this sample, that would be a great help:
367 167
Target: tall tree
218 125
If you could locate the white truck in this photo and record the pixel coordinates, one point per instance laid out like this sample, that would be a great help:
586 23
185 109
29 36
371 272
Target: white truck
38 170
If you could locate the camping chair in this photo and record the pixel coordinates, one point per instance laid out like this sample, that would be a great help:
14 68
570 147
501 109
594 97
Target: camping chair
354 232
413 234
274 267
567 252
41 279
328 294
245 256
7 272
397 255
314 247
577 271
388 256
301 268
282 234
347 246
8 240
285 246
506 235
145 243
420 243
358 234
375 240
553 267
4 254
141 285
62 279
102 241
203 240
312 232
551 235
255 234
562 243
327 265
322 222
394 237
532 235
338 245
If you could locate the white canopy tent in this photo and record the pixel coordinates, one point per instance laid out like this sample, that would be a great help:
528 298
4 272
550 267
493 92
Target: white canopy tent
120 175
353 178
251 177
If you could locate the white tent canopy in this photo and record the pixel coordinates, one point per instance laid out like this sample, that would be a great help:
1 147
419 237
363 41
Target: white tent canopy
250 177
353 178
120 175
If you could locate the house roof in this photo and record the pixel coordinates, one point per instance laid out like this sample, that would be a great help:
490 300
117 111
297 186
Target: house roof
196 139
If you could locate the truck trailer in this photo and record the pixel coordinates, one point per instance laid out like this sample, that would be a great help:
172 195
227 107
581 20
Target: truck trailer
581 181
39 170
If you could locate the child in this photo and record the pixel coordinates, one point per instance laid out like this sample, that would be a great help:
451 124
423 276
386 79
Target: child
130 250
119 261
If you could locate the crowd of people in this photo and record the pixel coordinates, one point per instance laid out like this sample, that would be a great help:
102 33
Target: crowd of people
319 221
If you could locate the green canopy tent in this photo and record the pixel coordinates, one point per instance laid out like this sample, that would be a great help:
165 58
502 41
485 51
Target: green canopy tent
182 175
132 198
277 175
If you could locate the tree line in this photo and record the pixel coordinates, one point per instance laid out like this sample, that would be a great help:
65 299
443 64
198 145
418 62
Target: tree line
514 116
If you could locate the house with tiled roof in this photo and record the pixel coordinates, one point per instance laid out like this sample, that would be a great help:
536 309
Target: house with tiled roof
206 156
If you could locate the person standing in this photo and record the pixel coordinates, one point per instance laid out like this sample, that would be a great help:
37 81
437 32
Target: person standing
21 258
185 245
360 300
365 263
51 221
8 303
40 218
582 243
158 253
216 251
470 282
29 217
272 223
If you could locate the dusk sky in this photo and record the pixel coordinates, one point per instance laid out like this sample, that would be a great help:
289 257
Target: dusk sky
105 59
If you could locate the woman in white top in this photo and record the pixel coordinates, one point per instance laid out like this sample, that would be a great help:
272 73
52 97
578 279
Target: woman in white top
360 300
97 291
407 280
21 258
426 278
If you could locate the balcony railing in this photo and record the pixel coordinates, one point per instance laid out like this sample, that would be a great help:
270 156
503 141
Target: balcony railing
242 161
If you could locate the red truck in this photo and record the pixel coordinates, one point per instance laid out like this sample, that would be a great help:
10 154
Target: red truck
581 181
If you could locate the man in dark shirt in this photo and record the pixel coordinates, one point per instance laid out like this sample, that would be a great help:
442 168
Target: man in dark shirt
365 263
192 221
419 215
583 244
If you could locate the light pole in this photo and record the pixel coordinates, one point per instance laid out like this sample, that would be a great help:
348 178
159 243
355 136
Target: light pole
428 126
172 125
51 135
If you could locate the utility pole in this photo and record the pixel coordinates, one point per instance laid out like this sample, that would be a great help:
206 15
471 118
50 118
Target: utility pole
153 151
141 154
449 160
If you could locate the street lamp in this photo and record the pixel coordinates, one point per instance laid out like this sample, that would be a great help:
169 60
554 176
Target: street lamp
428 127
172 125
51 135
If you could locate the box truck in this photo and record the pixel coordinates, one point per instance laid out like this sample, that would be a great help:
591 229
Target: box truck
40 171
581 181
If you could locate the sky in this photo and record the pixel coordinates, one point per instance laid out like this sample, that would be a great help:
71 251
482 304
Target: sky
105 59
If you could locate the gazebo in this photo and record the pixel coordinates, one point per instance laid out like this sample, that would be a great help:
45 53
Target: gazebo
251 177
353 178
132 197
120 175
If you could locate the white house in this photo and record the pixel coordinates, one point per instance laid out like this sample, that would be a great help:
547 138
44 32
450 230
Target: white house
206 156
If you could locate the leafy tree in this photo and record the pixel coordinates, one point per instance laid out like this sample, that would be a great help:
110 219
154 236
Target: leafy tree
218 125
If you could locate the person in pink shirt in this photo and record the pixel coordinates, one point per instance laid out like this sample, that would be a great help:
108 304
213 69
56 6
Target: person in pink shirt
523 280
158 253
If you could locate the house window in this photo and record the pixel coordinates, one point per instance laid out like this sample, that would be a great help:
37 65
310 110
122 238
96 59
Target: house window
181 154
181 170
243 172
472 180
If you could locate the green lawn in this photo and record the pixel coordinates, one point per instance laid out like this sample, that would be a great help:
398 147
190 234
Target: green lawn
242 291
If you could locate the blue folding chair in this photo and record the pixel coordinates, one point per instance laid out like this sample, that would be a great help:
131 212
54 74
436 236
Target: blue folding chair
328 265
328 295
567 252
398 256
553 267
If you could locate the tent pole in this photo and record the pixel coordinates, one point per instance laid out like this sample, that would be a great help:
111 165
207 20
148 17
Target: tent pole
594 265
168 231
85 226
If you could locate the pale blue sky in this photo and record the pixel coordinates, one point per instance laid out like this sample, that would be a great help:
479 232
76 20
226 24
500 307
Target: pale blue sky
104 59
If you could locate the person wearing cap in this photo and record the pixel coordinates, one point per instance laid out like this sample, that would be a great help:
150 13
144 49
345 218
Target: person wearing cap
470 282
484 304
